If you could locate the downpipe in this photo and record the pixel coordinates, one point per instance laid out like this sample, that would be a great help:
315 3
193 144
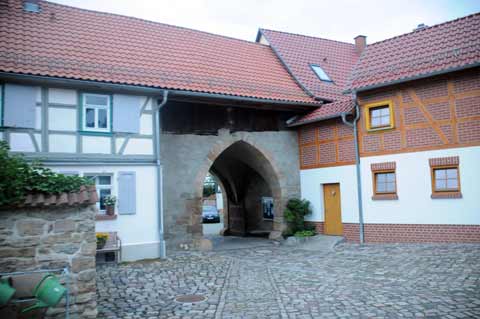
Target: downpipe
357 164
163 253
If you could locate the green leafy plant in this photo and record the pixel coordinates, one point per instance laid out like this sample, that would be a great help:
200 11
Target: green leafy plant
295 213
19 178
109 200
305 233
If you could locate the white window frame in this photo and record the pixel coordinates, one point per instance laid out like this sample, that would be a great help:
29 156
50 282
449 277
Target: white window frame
99 187
96 108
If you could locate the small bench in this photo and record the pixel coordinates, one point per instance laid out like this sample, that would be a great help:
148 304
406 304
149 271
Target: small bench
113 245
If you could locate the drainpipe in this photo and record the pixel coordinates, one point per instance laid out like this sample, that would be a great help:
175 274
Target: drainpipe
357 163
156 110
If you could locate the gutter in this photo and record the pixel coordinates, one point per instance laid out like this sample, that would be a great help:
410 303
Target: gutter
357 163
315 120
156 110
97 85
413 78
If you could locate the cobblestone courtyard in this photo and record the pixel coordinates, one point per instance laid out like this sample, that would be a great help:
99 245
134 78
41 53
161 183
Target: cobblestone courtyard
372 281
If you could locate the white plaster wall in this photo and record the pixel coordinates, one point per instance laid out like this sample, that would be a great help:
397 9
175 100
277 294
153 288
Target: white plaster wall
21 142
61 119
146 124
38 117
140 146
96 144
38 94
414 204
62 96
139 232
311 183
149 104
59 143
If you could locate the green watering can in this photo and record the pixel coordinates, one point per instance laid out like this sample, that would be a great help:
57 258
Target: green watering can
48 291
6 291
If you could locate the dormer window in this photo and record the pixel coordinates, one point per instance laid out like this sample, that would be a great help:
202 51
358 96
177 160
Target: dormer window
320 73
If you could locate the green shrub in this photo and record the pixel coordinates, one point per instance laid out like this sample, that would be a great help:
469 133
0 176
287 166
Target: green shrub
19 178
305 233
295 213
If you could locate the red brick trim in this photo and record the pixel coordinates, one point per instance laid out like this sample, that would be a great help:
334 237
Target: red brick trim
391 166
385 197
439 195
105 217
413 233
444 161
318 226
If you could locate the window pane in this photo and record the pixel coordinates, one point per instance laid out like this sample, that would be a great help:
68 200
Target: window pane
390 177
390 187
385 120
452 184
376 121
90 117
96 99
452 173
375 112
381 188
104 180
385 111
440 184
103 193
440 174
382 178
320 73
102 118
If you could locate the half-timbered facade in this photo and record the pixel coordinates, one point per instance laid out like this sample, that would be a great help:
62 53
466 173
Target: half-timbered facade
147 110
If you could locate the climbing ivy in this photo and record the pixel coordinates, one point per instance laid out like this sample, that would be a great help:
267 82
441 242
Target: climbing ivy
19 178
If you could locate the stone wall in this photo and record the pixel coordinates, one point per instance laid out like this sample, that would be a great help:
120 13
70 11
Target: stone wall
46 238
187 159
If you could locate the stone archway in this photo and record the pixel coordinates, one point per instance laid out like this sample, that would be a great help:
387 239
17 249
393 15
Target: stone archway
187 158
247 175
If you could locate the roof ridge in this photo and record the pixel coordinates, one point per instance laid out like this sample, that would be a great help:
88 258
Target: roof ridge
150 21
307 36
425 28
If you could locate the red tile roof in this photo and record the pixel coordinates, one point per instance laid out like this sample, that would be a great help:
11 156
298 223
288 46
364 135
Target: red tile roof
298 52
326 111
85 196
67 42
440 48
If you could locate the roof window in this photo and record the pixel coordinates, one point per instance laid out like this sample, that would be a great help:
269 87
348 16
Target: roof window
31 6
320 73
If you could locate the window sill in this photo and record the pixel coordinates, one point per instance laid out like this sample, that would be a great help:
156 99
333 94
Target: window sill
95 133
385 197
105 217
446 195
380 129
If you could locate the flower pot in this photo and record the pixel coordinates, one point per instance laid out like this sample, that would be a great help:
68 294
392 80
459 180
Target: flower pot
101 242
110 210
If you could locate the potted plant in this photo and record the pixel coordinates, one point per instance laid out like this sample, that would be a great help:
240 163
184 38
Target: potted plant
109 202
101 240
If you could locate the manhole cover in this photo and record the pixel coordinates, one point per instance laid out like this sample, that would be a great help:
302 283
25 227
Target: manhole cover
190 298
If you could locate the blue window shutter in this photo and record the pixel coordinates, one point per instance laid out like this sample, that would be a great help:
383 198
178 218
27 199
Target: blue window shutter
19 105
126 113
127 199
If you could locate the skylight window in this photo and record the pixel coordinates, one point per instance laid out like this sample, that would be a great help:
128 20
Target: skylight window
320 73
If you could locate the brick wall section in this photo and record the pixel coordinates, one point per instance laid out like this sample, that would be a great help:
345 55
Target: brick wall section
413 233
54 237
451 101
331 141
442 161
318 226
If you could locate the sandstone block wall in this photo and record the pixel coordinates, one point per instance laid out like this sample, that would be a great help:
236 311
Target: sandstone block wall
45 238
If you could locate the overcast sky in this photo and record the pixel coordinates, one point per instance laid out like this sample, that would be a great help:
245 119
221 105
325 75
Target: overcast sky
333 19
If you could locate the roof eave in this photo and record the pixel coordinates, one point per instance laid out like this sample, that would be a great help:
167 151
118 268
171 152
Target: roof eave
319 119
412 78
96 85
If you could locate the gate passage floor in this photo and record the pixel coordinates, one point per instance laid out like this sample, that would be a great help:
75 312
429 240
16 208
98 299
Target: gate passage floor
268 281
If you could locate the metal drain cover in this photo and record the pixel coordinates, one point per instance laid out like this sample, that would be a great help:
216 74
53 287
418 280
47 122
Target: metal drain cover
190 298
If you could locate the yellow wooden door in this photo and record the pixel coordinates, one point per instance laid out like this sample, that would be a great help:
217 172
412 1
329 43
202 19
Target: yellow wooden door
333 214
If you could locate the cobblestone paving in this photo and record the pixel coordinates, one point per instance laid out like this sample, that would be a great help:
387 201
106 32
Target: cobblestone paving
372 281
